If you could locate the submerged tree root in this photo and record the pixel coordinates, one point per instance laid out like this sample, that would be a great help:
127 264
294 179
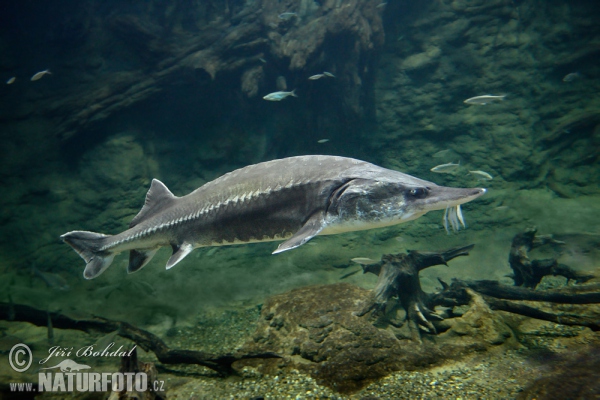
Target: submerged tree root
146 340
399 278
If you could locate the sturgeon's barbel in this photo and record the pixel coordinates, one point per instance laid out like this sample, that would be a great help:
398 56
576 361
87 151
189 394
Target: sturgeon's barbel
291 199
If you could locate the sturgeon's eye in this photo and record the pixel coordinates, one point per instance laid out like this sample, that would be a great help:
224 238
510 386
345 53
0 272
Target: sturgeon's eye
418 193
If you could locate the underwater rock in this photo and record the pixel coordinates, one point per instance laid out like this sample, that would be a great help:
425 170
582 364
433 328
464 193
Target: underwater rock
303 39
480 324
251 79
117 163
316 329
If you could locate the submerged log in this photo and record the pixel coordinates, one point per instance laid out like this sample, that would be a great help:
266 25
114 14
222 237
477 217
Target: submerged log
499 297
529 273
146 340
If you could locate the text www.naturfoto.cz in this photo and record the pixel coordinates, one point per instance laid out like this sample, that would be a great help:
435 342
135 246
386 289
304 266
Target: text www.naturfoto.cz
21 387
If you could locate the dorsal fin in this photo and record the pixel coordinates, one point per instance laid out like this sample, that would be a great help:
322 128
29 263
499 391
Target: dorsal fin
157 198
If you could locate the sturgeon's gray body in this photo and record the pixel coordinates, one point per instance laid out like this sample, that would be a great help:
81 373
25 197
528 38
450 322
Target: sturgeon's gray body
294 198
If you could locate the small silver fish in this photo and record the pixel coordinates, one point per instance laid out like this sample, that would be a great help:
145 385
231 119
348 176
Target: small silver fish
315 77
323 141
262 60
482 174
40 75
381 5
364 260
278 96
329 74
445 168
53 281
287 15
572 77
11 80
441 153
485 99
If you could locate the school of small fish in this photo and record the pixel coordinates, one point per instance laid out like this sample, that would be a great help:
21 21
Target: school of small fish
280 95
450 168
35 77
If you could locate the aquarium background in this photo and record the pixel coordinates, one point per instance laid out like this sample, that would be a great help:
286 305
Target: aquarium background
174 91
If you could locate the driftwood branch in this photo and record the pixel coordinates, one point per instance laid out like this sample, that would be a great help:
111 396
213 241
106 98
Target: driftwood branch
588 294
529 273
499 297
146 340
564 319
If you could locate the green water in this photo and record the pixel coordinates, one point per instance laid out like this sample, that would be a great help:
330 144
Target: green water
174 91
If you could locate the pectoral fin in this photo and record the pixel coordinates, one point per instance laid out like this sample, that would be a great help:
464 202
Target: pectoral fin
311 228
139 258
179 253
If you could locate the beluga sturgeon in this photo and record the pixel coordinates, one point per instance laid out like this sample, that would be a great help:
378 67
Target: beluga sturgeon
292 199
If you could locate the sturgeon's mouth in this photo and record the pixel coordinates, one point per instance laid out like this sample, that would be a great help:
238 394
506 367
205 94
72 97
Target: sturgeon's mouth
453 217
448 199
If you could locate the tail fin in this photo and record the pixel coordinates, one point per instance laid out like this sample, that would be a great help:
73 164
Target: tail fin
88 245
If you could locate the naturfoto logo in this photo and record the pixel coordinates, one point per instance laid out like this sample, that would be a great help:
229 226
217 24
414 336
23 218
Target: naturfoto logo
67 375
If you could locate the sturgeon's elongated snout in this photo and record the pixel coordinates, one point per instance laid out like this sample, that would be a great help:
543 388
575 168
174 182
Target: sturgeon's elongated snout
442 197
